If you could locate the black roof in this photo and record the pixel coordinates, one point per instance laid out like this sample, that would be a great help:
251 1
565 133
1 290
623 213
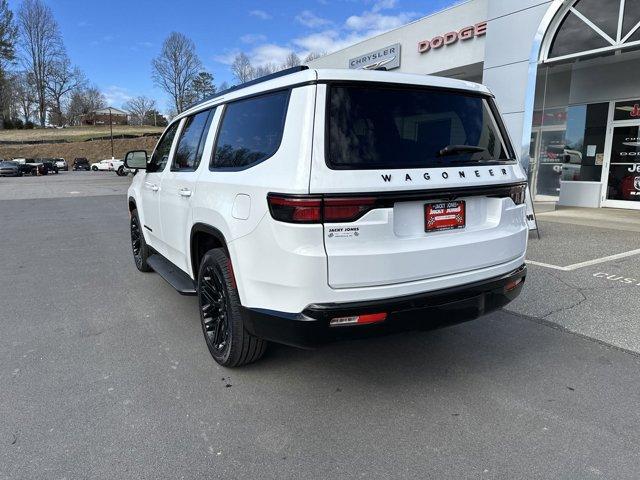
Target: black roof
266 78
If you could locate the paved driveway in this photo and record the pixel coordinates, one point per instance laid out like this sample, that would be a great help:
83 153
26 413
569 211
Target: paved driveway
105 374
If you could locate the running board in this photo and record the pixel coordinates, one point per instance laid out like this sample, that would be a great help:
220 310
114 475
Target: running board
172 274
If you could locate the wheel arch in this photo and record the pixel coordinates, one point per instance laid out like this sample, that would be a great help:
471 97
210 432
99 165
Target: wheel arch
204 238
132 204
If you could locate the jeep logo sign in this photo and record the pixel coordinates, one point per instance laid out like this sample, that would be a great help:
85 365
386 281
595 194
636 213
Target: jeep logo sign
464 34
387 58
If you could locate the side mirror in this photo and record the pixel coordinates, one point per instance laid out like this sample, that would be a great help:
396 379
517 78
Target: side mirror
136 160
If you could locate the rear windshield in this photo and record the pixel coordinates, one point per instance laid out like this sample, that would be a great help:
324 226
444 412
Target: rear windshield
373 127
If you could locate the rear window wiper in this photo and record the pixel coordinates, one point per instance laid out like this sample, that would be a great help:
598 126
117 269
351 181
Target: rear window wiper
454 149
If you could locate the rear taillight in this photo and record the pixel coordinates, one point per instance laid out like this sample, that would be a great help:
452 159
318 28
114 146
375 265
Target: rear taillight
518 194
309 209
295 209
346 209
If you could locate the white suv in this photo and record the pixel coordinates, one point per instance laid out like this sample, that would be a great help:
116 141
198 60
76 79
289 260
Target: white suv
318 204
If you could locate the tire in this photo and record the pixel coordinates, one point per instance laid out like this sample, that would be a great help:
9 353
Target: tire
139 247
95 169
228 341
120 171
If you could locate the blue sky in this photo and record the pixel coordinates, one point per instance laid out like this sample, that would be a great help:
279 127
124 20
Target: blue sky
113 42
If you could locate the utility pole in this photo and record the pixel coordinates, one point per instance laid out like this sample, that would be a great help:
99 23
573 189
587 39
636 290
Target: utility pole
111 128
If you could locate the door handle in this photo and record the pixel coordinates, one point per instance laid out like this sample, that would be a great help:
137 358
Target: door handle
184 192
151 186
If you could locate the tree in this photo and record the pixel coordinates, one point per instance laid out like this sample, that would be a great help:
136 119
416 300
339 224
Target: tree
264 70
41 45
26 95
242 69
83 102
155 118
139 108
224 86
176 67
291 61
8 35
312 56
202 87
62 79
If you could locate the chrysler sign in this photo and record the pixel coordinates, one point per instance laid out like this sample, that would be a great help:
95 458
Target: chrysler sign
450 38
386 58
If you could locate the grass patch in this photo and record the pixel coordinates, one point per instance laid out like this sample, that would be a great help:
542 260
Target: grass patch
73 134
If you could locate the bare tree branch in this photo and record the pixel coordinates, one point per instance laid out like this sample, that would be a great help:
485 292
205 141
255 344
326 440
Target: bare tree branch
62 79
176 67
139 108
242 69
41 45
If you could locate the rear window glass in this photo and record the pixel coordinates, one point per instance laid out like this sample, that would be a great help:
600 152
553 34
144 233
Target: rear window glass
406 127
251 130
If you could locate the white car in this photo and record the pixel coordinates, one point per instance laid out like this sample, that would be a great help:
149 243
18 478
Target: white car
61 163
321 204
104 165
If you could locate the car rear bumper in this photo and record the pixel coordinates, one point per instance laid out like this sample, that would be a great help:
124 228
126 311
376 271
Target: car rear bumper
424 311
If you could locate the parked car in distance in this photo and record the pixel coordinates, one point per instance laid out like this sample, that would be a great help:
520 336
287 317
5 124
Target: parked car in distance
50 166
62 164
22 164
36 166
123 171
81 163
10 169
324 204
102 165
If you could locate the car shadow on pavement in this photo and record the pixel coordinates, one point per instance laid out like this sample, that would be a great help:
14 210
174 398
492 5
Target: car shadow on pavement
492 346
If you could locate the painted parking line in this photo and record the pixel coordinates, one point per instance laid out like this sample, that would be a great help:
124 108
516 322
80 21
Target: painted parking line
588 263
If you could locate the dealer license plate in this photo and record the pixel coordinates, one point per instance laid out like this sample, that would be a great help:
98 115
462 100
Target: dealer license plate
444 216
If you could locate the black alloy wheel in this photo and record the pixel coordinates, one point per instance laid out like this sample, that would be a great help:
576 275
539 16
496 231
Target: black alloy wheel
138 245
229 343
214 306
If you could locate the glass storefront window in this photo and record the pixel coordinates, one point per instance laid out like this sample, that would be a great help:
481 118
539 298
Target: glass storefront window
627 110
631 17
624 172
585 142
573 36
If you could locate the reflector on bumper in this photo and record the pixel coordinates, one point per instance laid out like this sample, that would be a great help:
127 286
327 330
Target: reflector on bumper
358 320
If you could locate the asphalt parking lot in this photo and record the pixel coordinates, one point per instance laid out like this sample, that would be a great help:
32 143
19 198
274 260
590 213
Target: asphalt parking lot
105 373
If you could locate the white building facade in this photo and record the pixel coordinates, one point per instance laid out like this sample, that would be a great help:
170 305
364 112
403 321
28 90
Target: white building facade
566 75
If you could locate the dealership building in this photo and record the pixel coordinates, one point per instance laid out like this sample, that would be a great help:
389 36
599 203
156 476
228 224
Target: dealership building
566 76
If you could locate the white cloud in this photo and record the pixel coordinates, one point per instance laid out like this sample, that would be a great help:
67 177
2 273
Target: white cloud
330 38
253 38
268 53
227 57
311 20
261 14
376 22
116 95
384 5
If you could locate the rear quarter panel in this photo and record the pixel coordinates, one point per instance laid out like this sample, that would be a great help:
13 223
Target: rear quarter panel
235 202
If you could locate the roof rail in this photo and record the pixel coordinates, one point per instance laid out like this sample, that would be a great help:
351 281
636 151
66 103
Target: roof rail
266 78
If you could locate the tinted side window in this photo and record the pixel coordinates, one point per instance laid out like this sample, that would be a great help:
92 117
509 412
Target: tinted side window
161 154
191 142
251 130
